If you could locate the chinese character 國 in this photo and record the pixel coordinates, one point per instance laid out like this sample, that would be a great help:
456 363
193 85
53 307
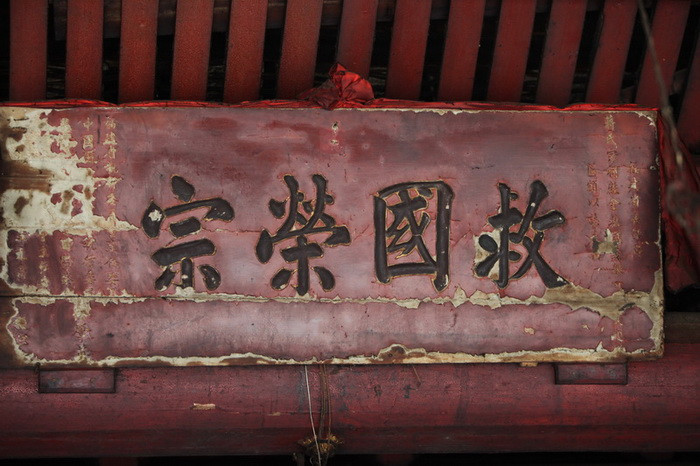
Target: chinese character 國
405 233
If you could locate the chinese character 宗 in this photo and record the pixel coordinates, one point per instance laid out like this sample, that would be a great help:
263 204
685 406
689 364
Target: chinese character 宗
180 257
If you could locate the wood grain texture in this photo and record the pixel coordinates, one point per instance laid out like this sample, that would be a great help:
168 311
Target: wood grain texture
84 49
28 19
561 52
409 38
667 28
512 46
357 35
419 409
608 67
244 58
137 57
461 49
302 26
191 49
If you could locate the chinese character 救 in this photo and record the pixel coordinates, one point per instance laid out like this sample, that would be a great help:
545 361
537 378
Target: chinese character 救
500 252
407 204
304 219
184 253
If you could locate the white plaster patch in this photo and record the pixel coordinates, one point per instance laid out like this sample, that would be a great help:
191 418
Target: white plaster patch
49 150
63 171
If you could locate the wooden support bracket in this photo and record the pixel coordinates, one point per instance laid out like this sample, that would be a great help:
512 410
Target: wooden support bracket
591 374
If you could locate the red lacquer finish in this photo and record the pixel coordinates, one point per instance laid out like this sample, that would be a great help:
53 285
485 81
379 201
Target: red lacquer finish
609 64
77 381
590 374
356 35
28 49
409 37
374 409
137 57
191 49
174 242
461 50
512 46
561 52
302 26
246 38
667 28
84 49
688 126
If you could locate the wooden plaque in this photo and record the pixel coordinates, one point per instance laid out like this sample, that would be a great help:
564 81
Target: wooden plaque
219 236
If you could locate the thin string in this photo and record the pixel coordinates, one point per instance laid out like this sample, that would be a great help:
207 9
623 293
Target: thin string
325 404
313 429
666 109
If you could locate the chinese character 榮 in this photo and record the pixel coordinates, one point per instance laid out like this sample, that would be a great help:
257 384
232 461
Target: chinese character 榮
305 219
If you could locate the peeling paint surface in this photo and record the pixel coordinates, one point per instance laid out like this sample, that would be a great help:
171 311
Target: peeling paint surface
80 237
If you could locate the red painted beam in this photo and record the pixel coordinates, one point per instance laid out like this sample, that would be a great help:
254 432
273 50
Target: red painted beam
137 57
357 35
387 409
302 26
191 49
28 49
667 30
613 45
84 49
461 50
512 46
77 381
244 58
591 374
561 52
407 53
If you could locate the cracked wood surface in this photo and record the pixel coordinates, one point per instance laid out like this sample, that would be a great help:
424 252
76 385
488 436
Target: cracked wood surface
79 276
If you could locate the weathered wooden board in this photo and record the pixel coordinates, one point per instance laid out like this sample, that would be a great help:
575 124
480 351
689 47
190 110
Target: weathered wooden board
189 236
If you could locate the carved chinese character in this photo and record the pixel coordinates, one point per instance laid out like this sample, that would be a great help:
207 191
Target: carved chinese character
500 251
183 253
408 205
304 218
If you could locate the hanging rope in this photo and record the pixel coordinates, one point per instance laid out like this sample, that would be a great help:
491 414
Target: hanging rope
323 443
682 189
311 416
666 109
